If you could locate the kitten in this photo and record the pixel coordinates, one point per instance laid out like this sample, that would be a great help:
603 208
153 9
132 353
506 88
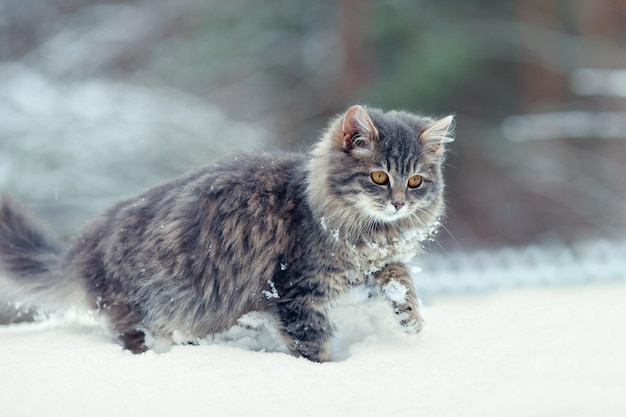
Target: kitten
281 233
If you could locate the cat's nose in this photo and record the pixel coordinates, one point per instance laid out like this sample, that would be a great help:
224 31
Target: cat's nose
398 204
398 198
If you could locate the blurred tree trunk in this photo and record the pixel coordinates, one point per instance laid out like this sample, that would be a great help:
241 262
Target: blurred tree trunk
354 19
313 111
606 19
540 84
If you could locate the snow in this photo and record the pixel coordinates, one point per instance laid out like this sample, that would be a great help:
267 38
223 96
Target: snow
273 293
333 232
540 351
395 291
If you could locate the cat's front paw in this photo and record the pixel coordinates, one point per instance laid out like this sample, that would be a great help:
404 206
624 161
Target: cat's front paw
409 319
397 288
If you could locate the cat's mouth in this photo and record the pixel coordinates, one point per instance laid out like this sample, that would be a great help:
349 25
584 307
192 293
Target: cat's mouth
394 214
384 212
390 213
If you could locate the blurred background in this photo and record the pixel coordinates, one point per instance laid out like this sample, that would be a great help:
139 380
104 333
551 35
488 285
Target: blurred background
102 99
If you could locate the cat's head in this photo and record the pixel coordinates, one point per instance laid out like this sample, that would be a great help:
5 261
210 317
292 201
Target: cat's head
381 167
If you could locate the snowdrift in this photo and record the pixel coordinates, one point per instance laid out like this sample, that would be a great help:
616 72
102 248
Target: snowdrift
548 352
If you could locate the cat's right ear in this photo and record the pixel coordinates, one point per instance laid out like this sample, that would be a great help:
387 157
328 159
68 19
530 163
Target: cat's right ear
437 135
358 129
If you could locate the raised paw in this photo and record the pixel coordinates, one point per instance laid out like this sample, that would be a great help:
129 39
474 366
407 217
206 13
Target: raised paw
409 318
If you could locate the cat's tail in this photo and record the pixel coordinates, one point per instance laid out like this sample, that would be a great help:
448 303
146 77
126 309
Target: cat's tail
31 273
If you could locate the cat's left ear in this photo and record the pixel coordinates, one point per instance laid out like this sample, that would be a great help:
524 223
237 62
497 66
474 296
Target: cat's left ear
437 135
358 129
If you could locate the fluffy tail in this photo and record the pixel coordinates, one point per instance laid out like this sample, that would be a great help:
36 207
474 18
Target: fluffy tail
31 263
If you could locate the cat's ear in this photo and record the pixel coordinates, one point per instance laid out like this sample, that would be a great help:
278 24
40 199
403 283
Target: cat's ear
438 134
358 129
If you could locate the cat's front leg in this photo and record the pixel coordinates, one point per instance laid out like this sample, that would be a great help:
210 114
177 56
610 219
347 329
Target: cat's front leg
305 327
397 288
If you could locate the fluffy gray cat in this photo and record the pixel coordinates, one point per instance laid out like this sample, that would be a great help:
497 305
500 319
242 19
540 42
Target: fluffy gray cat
282 233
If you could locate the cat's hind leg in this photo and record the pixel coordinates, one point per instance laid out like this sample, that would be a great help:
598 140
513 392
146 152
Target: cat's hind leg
134 340
125 323
140 341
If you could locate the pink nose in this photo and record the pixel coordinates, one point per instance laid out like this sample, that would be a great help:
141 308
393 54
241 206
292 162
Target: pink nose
398 204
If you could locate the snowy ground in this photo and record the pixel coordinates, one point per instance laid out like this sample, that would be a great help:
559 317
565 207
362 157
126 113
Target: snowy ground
522 352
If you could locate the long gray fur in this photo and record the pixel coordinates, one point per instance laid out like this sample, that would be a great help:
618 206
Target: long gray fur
283 233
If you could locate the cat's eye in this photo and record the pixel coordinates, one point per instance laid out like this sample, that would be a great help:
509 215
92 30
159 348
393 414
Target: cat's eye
415 181
379 177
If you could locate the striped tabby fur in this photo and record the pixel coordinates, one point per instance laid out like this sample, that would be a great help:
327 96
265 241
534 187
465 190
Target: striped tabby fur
283 233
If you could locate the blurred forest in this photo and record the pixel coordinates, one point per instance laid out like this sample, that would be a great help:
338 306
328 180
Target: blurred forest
101 99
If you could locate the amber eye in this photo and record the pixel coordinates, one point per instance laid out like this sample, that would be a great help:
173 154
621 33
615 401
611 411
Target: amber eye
415 181
380 177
